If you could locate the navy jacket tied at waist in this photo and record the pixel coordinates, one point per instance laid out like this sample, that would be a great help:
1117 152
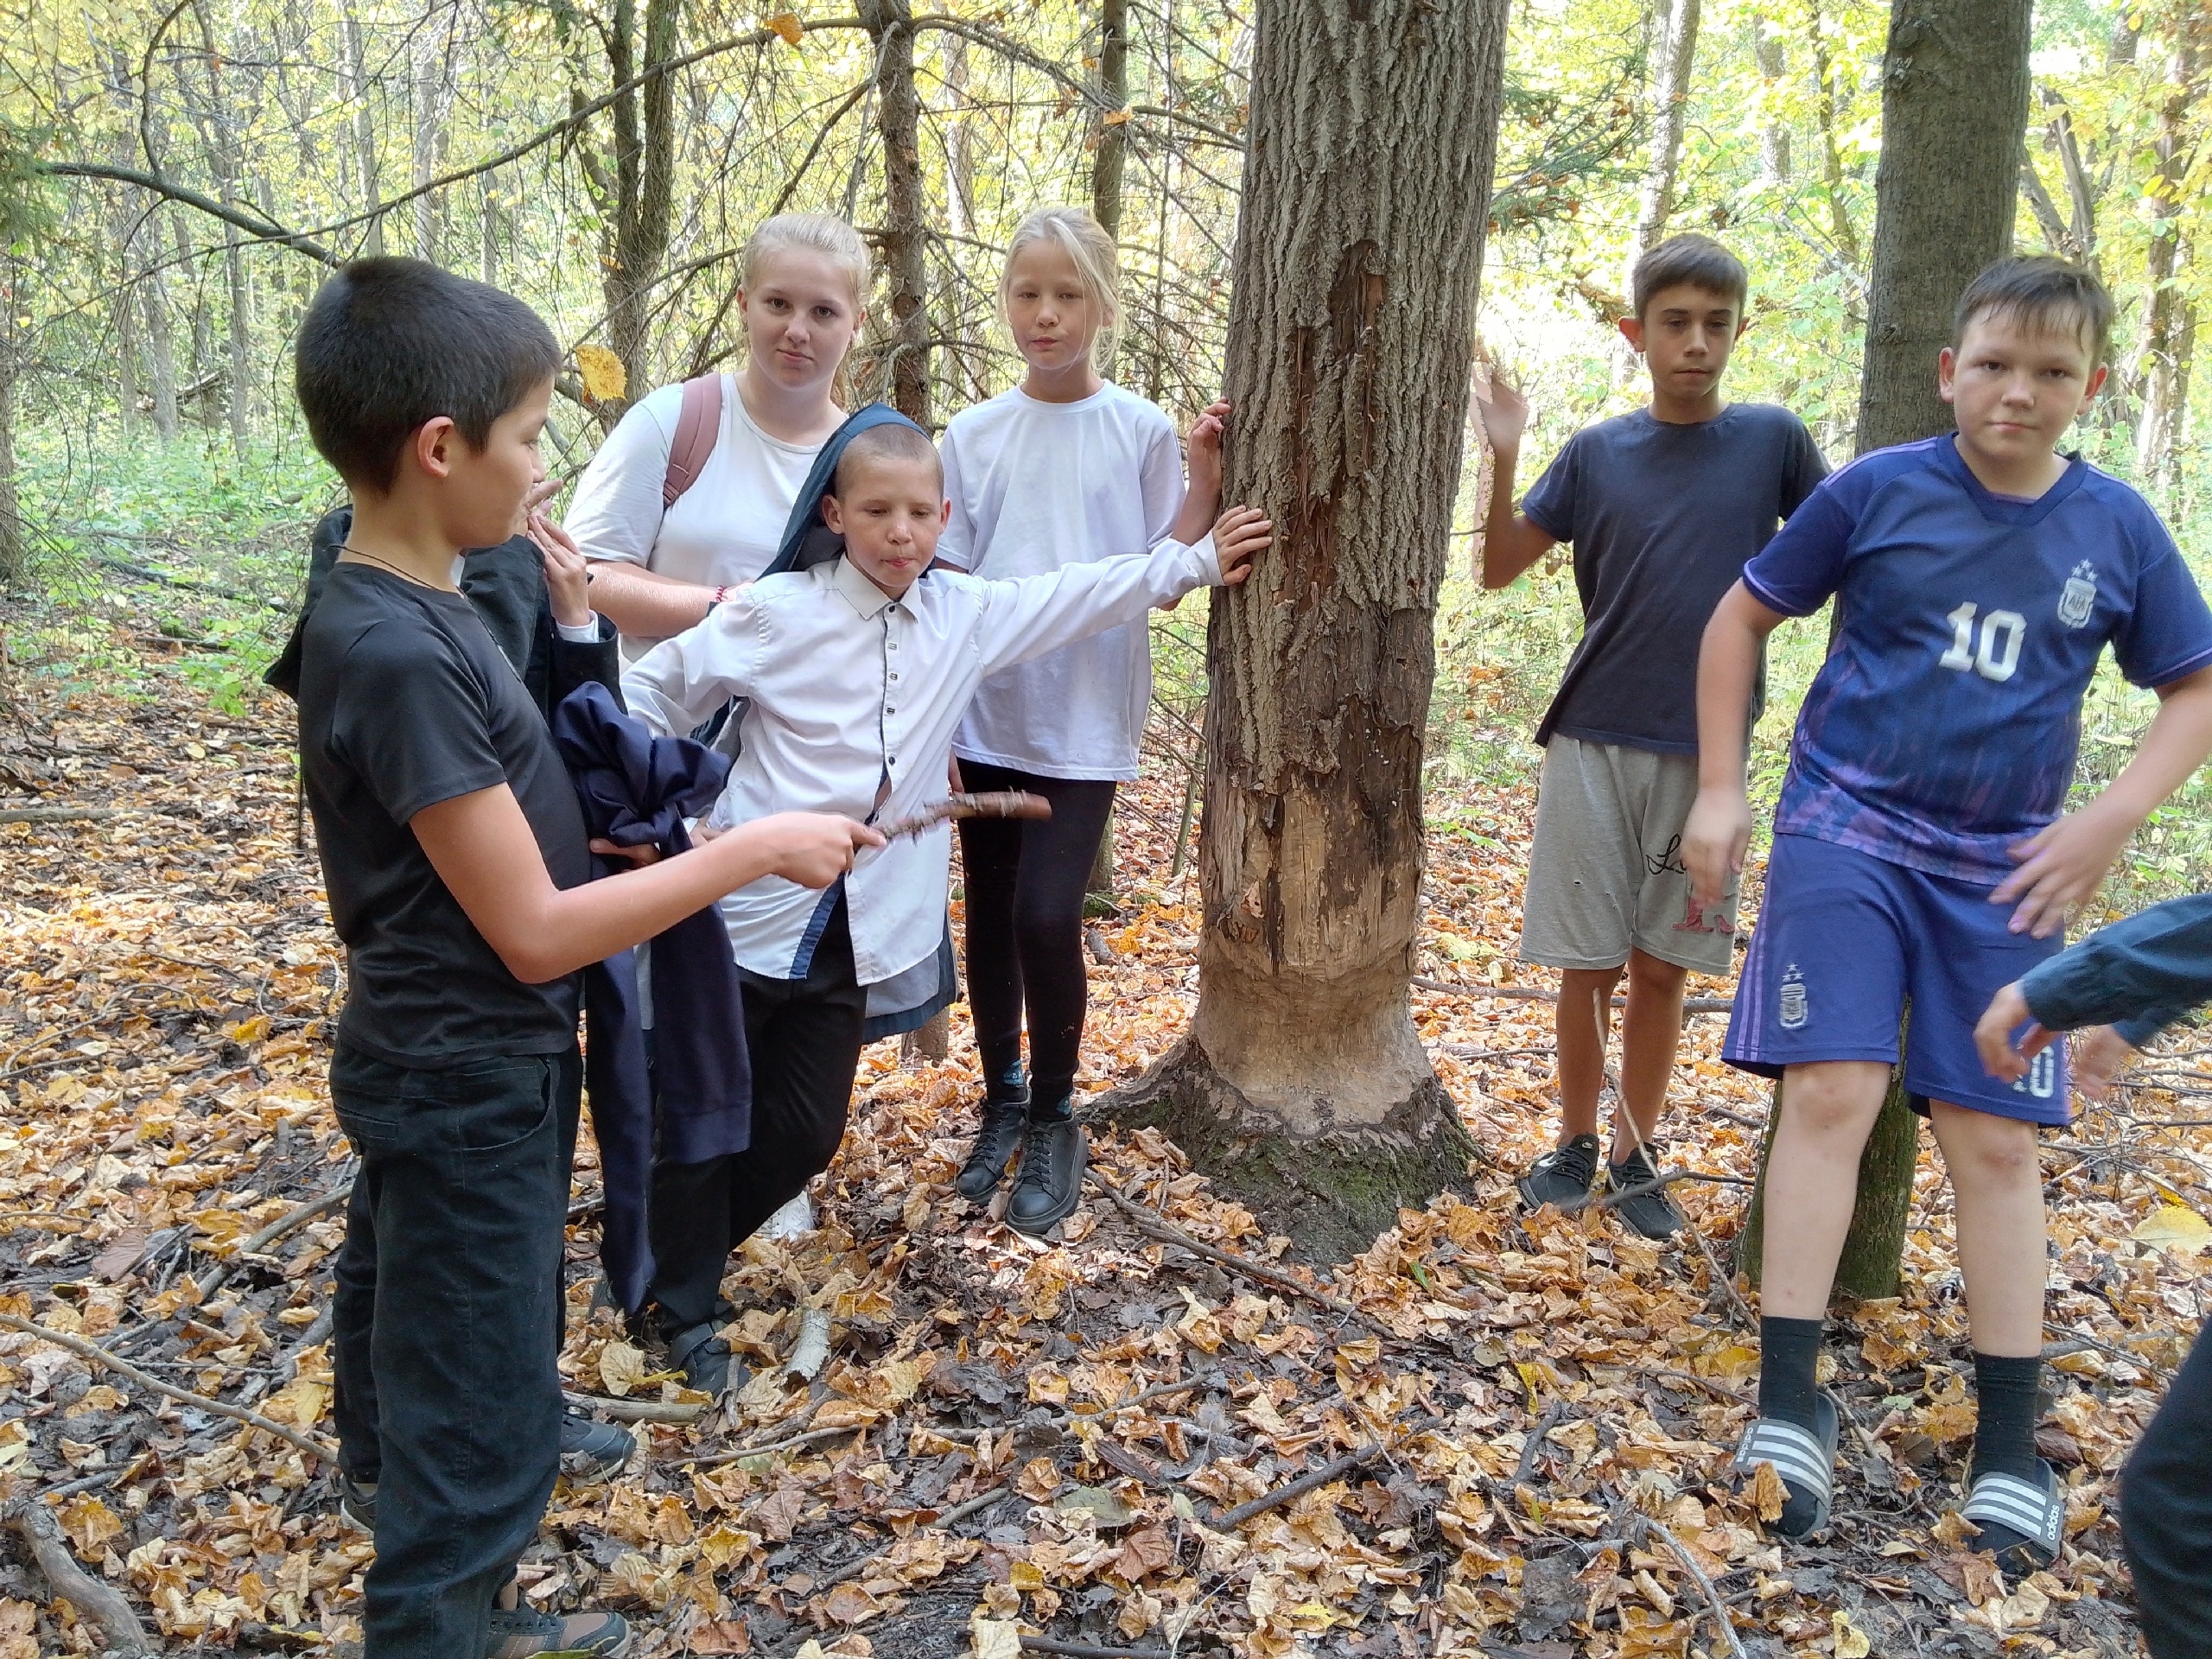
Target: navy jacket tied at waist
696 1102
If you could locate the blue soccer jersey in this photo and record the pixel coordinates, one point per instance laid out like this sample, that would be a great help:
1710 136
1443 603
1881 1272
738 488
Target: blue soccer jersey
1943 728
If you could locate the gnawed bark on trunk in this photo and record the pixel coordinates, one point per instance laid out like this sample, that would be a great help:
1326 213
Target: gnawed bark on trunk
1303 1085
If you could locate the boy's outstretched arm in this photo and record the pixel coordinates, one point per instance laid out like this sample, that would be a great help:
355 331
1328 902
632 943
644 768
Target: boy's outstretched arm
1510 542
481 846
1720 825
2065 863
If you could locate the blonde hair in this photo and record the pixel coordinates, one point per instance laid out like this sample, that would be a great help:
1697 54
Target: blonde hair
1097 265
822 233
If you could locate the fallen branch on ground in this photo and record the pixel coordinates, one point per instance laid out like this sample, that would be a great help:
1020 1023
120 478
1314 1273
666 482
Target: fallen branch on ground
1713 1601
57 814
291 1220
952 1517
123 1368
103 1607
1334 1470
638 1411
1088 1649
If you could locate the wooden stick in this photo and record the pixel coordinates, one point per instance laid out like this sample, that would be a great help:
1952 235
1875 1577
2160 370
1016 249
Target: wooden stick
1704 1585
638 1411
1088 1649
998 804
291 1219
99 1356
1533 1448
104 1607
1335 1470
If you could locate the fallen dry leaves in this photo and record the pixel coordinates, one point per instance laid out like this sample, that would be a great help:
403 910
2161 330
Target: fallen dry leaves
1007 1437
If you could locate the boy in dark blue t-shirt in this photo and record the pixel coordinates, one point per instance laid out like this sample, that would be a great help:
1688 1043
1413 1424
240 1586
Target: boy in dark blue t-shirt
455 854
1919 853
1662 506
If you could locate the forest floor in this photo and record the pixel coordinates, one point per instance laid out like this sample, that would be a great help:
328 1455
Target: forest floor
1155 1435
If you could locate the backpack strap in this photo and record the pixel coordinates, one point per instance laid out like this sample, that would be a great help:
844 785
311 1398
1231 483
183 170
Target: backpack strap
696 429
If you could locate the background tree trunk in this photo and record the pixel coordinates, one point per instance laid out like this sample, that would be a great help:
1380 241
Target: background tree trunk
1954 103
1670 99
365 134
1112 134
2170 320
898 116
1303 1085
15 543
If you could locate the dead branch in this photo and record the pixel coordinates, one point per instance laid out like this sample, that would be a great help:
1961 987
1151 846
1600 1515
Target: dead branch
638 1411
118 1626
952 1517
1713 1601
1335 1469
1088 1649
292 1219
123 1368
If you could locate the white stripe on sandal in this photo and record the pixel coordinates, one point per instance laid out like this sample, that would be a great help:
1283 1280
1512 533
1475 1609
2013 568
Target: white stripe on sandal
2037 1513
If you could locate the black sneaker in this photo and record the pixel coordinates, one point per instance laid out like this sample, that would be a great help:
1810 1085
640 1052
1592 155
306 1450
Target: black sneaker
522 1632
1652 1214
1050 1180
704 1359
357 1503
591 1450
1005 1123
1562 1176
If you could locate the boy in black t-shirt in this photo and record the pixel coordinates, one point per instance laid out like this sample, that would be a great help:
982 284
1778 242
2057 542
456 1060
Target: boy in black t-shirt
454 852
1663 507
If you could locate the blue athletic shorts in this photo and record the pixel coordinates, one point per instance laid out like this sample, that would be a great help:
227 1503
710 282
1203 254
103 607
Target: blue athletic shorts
1844 938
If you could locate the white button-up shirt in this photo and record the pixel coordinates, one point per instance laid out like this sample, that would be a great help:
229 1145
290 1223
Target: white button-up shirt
849 690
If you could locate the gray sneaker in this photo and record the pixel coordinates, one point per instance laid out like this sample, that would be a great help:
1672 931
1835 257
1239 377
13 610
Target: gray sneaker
1653 1213
523 1632
1562 1176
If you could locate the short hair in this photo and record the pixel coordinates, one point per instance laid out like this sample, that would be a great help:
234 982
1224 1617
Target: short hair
389 344
822 233
891 441
1695 260
1097 265
2040 292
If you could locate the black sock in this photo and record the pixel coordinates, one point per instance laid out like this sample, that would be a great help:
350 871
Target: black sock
2005 1435
1009 1087
1790 1352
1056 1111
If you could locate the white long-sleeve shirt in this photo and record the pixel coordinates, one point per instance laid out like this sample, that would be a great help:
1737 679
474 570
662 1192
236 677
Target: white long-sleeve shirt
851 691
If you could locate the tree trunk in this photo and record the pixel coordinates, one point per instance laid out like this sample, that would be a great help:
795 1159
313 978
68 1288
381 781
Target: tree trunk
430 94
1872 1251
643 187
161 356
1112 134
1774 136
897 117
365 135
1954 105
1841 232
1100 882
15 543
1670 100
2170 320
1302 1084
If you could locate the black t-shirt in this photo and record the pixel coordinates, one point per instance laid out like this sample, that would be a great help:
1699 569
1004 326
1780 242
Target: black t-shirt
405 702
1663 519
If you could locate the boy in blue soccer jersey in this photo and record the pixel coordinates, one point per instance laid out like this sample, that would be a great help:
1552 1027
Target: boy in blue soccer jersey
1919 851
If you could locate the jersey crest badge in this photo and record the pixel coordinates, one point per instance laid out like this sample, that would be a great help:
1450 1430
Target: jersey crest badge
1794 1013
2079 597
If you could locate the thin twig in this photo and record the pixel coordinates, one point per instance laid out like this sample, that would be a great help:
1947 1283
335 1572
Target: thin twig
103 1607
1705 1586
1533 1448
1088 1649
100 1355
1622 1195
298 1216
952 1517
1334 1470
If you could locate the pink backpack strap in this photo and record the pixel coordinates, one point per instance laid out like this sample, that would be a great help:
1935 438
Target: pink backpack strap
696 429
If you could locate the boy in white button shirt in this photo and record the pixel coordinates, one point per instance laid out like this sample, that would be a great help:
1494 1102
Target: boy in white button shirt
857 677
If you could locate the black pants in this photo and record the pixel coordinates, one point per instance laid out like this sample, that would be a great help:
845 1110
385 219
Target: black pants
804 1035
1024 880
2165 1515
446 1328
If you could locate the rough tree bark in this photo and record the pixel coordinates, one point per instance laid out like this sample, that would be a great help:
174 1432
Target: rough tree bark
897 118
1113 134
634 186
1954 109
2170 320
1302 1084
1774 136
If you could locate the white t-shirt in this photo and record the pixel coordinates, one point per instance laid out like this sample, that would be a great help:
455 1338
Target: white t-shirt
724 529
1034 487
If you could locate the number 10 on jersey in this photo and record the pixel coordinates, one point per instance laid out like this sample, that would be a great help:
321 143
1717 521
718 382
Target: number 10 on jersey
1996 653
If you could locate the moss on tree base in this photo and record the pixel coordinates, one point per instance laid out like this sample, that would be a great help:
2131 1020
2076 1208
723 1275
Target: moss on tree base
1332 1192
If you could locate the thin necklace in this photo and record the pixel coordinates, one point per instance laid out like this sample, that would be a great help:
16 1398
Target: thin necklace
397 570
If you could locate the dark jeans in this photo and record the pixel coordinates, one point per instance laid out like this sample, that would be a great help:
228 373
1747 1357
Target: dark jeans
804 1036
447 1330
1025 880
2165 1515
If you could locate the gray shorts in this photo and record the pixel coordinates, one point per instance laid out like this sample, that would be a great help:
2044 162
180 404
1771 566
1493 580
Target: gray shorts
1606 873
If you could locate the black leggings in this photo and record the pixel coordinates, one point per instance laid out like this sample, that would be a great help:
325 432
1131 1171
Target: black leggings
1024 880
804 1036
2165 1515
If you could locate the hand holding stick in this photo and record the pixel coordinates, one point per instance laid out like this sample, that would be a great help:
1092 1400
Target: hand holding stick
1003 804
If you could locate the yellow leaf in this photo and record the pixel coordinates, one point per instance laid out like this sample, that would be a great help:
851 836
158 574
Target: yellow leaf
994 1638
787 27
89 1523
2173 1227
1114 118
1769 1495
1851 1642
247 1032
621 1368
605 378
